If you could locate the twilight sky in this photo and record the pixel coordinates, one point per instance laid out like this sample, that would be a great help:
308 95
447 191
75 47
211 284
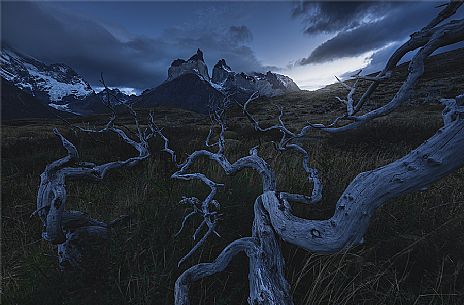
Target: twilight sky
133 43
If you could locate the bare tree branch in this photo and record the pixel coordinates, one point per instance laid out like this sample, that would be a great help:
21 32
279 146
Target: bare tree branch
437 157
287 143
208 208
70 229
199 271
417 40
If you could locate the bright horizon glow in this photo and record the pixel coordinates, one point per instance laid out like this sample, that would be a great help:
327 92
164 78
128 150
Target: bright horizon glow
316 76
125 90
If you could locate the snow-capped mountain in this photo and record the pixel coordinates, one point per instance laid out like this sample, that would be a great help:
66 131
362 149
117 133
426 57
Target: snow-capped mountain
189 85
19 104
55 85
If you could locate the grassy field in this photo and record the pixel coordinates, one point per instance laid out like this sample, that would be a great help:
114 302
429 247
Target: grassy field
414 250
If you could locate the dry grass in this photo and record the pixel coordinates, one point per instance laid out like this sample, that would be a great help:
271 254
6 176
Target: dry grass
413 254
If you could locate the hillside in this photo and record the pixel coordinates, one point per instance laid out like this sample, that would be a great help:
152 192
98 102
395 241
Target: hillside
411 244
443 78
18 104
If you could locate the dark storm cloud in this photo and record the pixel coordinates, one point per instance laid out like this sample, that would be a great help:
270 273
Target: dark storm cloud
127 61
379 58
241 33
331 16
82 44
386 24
216 44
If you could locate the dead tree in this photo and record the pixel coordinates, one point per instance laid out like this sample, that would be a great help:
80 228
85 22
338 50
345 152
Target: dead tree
440 155
78 236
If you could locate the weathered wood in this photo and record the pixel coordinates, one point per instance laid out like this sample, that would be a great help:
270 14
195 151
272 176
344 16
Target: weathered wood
199 271
267 281
440 155
75 233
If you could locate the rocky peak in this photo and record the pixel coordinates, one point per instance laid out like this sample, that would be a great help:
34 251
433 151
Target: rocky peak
54 83
221 71
194 65
247 77
197 56
178 62
222 64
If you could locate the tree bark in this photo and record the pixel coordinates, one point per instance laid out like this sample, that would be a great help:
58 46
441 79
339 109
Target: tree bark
440 155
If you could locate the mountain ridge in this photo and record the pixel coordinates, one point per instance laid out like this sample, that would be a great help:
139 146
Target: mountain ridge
55 85
223 83
59 87
191 89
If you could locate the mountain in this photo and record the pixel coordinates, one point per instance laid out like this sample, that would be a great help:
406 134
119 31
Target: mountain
116 96
266 84
442 78
55 85
48 90
194 65
19 104
187 91
189 85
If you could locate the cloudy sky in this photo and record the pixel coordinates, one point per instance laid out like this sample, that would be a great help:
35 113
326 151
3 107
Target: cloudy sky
133 43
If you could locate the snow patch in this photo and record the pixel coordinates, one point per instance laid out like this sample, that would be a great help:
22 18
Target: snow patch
56 89
216 86
6 75
26 86
64 108
56 80
283 80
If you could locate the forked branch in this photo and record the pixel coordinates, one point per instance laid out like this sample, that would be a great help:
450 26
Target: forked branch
437 157
72 229
208 208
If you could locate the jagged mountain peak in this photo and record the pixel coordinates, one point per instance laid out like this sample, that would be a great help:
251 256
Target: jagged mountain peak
197 56
266 84
189 86
194 65
222 64
115 96
54 83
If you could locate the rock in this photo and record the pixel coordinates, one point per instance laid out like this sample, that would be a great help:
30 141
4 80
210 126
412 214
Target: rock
220 72
197 56
195 65
189 86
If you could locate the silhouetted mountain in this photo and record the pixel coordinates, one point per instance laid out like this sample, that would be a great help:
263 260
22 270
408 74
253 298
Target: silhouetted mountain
196 91
187 91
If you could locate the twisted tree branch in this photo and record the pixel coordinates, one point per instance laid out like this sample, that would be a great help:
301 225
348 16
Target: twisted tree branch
70 230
